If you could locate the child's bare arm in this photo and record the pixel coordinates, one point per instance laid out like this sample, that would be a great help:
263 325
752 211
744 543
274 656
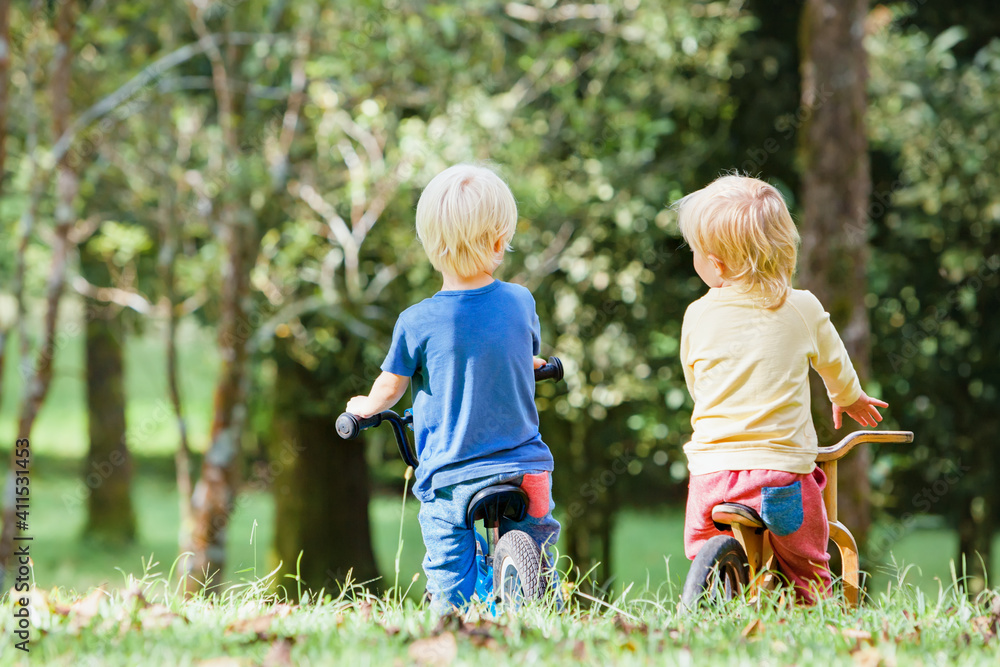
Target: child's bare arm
864 411
386 391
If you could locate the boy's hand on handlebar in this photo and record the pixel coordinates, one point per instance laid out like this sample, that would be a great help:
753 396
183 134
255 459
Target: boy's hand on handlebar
864 411
538 363
388 389
362 406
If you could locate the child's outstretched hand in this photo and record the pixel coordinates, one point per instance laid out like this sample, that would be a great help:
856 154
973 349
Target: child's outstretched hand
864 411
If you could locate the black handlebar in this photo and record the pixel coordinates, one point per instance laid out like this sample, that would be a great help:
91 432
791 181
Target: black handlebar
550 371
350 426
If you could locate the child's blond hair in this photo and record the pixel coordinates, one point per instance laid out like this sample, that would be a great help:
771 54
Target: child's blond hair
461 215
745 223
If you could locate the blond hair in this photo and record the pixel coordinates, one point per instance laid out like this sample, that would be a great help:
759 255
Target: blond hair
461 215
745 223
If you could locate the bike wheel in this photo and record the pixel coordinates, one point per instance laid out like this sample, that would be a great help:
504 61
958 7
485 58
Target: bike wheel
517 566
720 571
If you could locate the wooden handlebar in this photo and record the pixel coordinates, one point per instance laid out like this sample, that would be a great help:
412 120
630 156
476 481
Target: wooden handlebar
852 440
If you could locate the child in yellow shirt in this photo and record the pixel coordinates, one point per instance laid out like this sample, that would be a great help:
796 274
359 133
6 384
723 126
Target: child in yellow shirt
746 349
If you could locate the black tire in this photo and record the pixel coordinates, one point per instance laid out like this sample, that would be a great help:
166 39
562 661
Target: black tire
517 568
719 571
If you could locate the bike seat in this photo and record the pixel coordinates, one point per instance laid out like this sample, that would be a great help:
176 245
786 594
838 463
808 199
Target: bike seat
495 502
726 514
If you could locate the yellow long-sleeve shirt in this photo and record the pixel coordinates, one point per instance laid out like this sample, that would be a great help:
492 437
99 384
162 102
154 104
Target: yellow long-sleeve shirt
747 369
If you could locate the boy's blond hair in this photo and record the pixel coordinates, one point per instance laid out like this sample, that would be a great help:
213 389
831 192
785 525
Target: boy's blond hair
461 215
745 223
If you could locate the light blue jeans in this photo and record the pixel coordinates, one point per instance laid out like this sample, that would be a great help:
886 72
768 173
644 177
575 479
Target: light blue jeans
450 563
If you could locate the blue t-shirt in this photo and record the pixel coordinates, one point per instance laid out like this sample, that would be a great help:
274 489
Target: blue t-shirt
470 353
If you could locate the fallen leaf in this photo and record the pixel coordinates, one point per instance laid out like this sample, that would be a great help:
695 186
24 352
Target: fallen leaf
628 627
870 657
259 625
481 633
752 628
279 655
488 643
448 622
83 611
994 619
983 625
364 609
158 617
858 636
136 598
281 609
439 650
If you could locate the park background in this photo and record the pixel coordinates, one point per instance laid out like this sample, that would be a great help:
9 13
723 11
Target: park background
208 218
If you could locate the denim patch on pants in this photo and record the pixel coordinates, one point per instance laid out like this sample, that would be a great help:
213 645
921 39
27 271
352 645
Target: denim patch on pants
781 508
450 562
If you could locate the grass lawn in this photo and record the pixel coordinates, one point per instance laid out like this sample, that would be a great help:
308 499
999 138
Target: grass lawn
147 623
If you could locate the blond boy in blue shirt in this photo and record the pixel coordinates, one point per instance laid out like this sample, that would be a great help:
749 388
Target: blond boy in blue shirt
470 352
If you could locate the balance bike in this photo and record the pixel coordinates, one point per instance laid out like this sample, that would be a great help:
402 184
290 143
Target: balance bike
726 565
509 564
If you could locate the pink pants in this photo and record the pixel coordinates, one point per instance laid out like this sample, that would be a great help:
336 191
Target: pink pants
792 508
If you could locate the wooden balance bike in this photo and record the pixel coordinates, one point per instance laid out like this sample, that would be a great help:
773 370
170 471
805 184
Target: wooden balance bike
727 565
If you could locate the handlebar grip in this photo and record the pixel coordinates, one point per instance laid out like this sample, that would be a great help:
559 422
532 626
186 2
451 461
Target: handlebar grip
550 371
349 426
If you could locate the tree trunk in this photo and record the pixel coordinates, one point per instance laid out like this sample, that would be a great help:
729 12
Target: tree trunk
5 327
585 488
836 184
4 85
321 486
108 475
39 373
165 268
214 495
975 543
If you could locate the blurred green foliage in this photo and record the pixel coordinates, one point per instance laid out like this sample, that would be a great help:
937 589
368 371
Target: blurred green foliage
936 270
